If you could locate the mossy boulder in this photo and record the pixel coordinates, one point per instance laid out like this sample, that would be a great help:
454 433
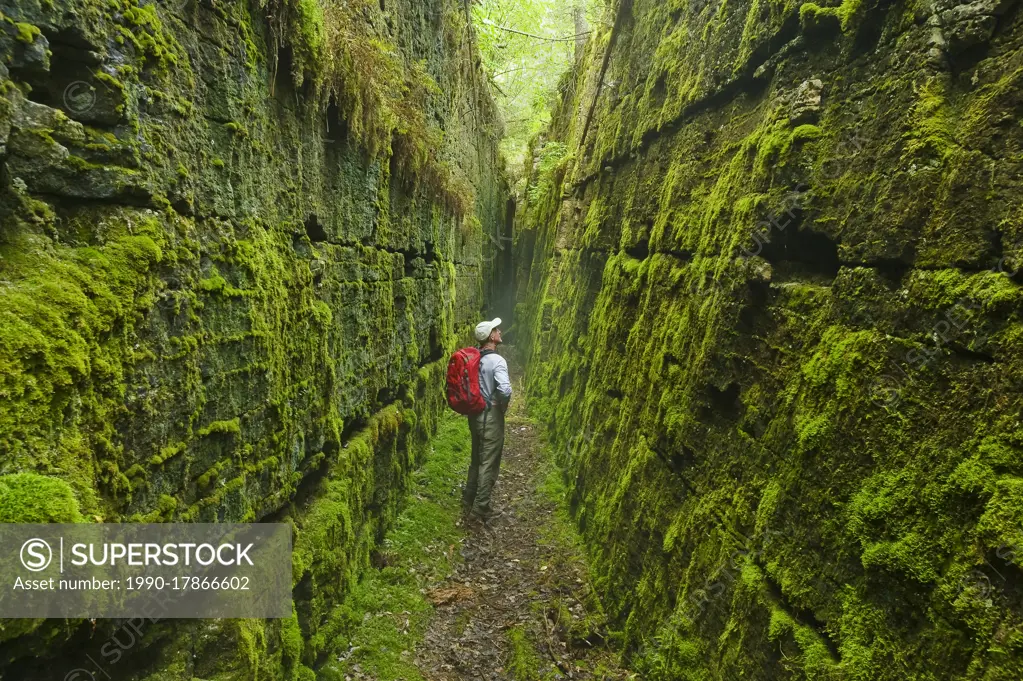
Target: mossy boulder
31 498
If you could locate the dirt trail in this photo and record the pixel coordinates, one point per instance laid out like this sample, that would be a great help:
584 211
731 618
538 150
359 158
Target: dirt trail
519 606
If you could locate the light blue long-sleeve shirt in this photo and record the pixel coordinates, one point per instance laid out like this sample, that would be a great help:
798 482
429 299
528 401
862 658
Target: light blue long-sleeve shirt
494 375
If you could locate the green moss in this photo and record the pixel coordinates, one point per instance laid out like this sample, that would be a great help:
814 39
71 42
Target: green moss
211 475
163 512
26 33
322 313
368 619
147 33
64 304
237 129
291 642
308 38
215 283
229 427
384 96
805 133
1000 524
80 164
934 131
110 81
844 16
32 498
168 452
524 662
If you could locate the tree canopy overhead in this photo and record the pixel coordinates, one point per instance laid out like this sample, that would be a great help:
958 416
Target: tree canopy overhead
526 47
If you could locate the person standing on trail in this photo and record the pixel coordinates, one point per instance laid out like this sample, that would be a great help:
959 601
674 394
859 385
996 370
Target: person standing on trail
487 427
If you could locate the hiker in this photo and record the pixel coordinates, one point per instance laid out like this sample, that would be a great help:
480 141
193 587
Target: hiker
487 427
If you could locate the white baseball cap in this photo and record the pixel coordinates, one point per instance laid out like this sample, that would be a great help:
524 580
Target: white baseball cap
483 329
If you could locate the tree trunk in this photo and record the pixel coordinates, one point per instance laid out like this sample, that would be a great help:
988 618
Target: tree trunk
581 27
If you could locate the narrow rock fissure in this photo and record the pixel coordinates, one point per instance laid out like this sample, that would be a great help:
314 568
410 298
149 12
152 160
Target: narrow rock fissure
759 270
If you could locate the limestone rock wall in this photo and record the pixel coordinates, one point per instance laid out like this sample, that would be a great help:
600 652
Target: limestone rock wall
774 311
228 287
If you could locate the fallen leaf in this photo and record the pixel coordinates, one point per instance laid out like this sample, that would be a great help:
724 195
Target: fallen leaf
452 594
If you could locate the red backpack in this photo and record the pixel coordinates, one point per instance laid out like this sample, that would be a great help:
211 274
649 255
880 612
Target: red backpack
464 394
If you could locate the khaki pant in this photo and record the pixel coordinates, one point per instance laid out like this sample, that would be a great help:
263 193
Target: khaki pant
487 431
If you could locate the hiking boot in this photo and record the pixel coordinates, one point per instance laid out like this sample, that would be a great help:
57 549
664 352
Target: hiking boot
491 517
472 522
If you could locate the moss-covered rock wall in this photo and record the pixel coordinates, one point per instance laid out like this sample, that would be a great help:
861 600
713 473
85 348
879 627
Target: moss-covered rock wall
237 241
774 305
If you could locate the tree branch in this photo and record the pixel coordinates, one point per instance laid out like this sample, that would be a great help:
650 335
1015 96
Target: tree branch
566 39
534 67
